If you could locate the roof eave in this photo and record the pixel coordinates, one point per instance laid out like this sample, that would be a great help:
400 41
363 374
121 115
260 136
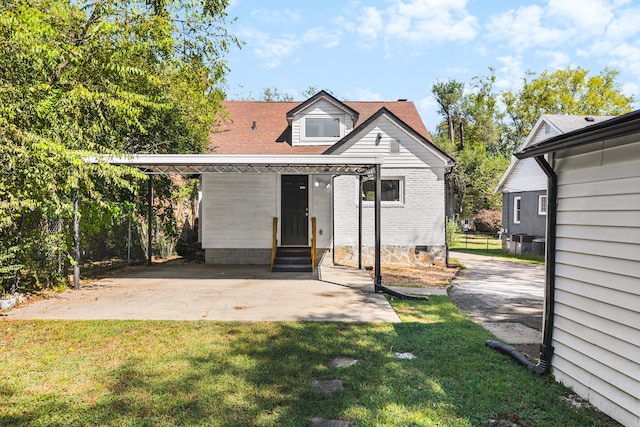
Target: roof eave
608 129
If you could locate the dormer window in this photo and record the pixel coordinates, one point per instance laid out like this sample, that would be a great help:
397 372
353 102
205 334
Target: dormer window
321 127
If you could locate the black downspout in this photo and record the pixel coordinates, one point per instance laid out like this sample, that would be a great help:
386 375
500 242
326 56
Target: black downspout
546 348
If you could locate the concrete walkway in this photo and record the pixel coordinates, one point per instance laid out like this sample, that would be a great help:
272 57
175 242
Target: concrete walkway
189 291
506 297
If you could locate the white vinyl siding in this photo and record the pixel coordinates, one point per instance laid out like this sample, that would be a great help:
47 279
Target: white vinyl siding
238 210
321 109
526 176
597 314
411 153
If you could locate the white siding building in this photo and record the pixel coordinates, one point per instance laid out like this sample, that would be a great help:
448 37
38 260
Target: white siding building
594 297
238 211
524 186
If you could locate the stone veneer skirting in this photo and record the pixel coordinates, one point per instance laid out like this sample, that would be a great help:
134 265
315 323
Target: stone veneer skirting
393 255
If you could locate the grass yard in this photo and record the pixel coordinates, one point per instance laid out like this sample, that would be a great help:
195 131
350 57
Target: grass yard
162 373
482 244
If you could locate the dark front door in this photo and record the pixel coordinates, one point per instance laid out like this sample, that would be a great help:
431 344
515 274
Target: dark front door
295 210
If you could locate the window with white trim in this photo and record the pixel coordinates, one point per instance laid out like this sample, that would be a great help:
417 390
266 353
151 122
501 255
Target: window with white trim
322 127
392 190
542 204
517 205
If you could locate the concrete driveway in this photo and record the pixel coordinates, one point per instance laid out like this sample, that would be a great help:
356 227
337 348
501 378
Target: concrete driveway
505 297
188 291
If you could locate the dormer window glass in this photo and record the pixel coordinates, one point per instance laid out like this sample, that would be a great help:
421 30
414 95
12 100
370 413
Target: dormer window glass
321 127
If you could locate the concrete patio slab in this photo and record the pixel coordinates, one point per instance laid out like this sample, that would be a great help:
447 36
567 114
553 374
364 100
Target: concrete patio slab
190 291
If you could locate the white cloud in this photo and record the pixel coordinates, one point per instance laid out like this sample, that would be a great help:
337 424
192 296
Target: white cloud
509 75
327 38
369 26
631 89
593 15
428 110
270 49
557 59
417 21
362 94
626 56
523 29
624 25
431 20
273 16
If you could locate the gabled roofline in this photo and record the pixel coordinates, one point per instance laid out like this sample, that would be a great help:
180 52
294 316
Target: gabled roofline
544 118
527 141
618 126
449 162
326 95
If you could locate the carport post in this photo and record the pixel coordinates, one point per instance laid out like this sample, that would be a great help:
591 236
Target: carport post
150 219
360 222
378 227
76 239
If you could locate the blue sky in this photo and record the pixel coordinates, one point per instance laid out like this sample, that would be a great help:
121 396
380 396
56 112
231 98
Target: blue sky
391 49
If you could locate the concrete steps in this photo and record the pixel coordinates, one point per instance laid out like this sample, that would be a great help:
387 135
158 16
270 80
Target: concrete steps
293 259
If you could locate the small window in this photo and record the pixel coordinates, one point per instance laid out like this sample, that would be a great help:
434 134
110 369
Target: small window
322 127
394 147
542 205
517 203
391 190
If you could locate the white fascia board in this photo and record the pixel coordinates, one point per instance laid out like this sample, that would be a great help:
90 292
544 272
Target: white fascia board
235 159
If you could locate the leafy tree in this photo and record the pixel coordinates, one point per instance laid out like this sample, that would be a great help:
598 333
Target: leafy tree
103 76
274 95
563 91
490 130
449 96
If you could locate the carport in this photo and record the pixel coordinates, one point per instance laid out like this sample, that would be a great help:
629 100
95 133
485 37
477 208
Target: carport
365 167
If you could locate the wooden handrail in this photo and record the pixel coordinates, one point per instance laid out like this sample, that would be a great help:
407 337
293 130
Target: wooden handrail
313 243
274 243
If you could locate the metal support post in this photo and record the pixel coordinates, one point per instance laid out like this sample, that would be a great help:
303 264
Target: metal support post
76 239
378 227
150 220
360 222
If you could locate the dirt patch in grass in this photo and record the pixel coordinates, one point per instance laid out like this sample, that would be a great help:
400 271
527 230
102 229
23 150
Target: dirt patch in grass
435 276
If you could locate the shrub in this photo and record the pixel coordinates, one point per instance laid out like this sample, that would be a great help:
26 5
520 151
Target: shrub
488 221
452 229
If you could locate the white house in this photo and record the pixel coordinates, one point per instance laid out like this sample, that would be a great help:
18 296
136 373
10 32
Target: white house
243 214
524 187
592 307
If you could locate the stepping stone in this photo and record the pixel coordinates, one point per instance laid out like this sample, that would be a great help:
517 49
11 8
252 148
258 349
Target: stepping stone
327 386
340 362
321 422
404 355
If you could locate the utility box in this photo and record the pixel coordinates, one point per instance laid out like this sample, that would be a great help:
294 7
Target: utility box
521 244
538 246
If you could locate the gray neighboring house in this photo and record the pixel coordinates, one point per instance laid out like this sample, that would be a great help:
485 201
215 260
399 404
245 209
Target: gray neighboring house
524 187
592 298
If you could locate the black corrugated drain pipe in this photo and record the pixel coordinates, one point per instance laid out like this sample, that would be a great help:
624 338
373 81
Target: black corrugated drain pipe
542 368
546 349
382 288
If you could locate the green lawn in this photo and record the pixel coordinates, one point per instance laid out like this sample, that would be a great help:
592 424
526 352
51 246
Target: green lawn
153 373
482 244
